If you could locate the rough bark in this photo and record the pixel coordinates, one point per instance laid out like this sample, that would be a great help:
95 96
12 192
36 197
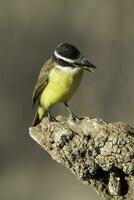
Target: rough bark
98 153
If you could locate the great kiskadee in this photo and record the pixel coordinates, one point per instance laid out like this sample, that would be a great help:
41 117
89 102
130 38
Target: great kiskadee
59 78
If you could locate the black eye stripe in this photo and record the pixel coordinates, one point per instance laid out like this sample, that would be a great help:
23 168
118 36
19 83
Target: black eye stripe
69 54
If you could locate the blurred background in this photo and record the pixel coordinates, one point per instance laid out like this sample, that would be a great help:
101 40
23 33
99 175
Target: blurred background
29 31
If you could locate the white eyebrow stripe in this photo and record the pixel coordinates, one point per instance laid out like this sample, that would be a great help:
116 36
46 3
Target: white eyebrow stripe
63 58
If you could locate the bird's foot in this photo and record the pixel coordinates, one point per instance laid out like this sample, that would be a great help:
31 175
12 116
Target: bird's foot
72 115
75 117
51 118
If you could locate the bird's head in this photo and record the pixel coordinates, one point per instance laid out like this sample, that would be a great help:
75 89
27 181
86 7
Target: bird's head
67 55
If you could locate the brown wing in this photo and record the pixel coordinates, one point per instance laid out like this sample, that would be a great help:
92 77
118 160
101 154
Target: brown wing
42 80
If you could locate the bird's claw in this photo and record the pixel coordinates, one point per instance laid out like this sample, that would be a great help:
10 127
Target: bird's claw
76 118
51 118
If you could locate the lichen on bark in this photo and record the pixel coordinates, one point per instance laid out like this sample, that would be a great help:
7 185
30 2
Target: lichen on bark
98 153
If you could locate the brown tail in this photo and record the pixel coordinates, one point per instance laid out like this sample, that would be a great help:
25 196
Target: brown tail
36 120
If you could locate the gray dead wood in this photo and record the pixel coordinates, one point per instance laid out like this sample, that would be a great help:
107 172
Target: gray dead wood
98 153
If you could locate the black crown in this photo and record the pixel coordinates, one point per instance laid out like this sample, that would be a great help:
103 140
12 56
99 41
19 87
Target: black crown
68 51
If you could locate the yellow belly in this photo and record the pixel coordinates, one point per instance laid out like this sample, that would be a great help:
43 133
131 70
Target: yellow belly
61 87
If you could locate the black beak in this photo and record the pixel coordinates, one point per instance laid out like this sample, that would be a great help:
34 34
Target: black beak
85 64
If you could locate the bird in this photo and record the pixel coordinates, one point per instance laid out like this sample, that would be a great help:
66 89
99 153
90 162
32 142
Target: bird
58 80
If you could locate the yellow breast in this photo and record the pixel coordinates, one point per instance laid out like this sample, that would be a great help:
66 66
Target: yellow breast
61 86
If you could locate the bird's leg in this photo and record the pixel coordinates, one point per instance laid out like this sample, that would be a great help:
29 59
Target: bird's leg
50 117
72 114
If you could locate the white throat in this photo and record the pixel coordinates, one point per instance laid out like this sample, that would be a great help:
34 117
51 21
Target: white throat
68 68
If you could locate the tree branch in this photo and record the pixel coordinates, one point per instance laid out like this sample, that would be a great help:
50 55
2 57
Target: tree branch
98 153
